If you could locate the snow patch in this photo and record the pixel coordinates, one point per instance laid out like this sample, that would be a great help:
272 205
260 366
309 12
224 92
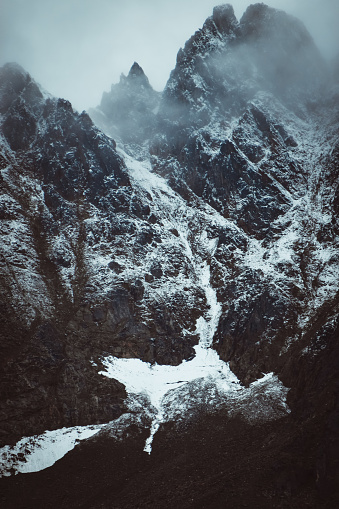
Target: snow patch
32 454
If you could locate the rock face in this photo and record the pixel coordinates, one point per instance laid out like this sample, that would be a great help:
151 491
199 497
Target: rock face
239 118
234 171
80 248
54 166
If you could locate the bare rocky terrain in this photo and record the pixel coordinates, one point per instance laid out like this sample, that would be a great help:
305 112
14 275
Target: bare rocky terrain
164 227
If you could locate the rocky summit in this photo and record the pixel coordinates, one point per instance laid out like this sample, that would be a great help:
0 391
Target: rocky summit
169 280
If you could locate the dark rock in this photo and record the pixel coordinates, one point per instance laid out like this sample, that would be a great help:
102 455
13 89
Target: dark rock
99 314
19 128
224 18
137 290
290 142
156 271
116 267
152 219
145 237
175 232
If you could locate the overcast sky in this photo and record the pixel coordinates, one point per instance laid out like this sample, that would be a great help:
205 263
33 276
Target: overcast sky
77 48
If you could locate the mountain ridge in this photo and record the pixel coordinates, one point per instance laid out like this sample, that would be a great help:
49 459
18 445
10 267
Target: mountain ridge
210 225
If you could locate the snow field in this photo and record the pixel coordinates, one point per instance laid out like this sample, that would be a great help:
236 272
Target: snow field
32 454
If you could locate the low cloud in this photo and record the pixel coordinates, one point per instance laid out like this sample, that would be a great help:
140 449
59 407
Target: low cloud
77 48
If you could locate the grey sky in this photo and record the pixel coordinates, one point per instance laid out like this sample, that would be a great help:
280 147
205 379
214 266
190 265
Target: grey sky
77 48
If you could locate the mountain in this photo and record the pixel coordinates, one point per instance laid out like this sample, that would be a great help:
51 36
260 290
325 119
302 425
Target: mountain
128 111
175 291
244 125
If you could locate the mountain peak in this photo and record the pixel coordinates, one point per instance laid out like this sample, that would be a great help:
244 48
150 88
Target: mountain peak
136 70
14 68
136 77
261 21
129 107
257 11
13 74
224 18
15 82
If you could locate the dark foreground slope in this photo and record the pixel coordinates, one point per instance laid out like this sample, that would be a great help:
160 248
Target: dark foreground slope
210 463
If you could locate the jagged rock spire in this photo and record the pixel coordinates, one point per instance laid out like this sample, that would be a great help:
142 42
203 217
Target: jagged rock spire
136 70
129 107
137 77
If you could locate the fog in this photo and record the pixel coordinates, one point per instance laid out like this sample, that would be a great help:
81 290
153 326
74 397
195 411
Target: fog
77 48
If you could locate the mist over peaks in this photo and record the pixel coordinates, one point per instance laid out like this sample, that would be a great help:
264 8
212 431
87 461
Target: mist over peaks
128 111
